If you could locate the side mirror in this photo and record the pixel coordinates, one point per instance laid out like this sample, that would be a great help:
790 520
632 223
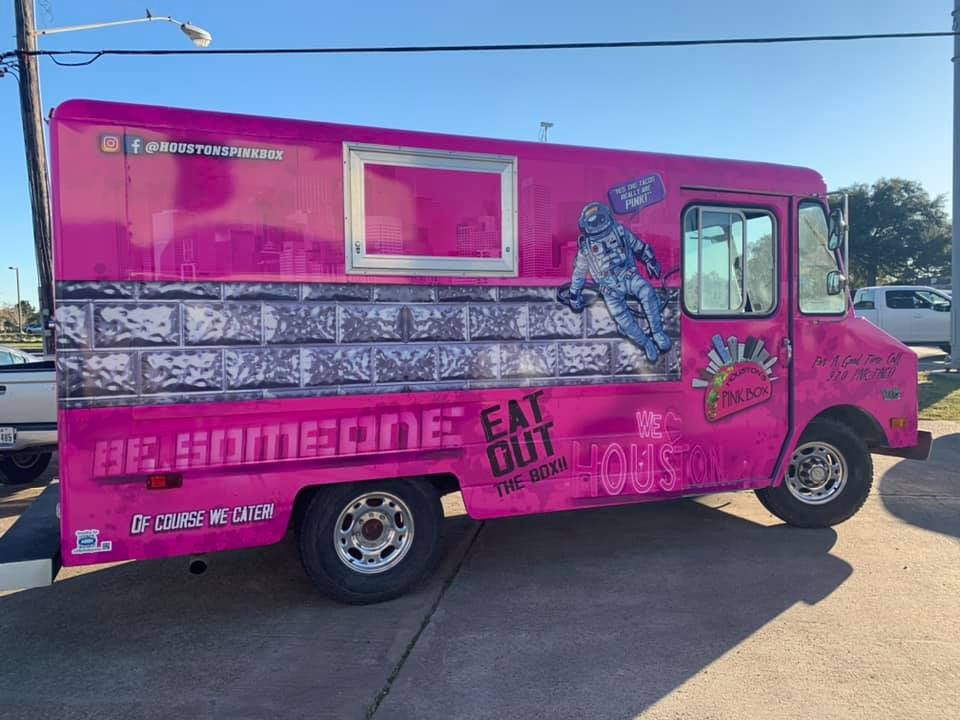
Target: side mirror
838 226
836 282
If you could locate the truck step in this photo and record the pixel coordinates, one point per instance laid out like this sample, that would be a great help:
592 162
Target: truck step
30 550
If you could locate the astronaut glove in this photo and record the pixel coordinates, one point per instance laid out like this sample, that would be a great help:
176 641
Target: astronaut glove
653 268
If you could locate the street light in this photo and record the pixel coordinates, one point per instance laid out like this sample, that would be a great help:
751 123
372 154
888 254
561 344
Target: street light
198 36
19 311
33 135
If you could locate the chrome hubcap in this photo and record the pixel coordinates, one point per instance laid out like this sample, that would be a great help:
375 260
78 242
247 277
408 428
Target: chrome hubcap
373 533
817 473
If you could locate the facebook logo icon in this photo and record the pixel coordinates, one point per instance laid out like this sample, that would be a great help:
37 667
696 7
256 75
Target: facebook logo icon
133 144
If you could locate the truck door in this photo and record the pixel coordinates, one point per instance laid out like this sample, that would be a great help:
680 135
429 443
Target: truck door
902 317
735 334
934 317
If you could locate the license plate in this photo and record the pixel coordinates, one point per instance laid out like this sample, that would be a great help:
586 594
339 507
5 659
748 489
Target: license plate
8 436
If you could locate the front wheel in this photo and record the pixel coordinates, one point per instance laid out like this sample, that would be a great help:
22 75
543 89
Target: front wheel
21 468
827 481
369 542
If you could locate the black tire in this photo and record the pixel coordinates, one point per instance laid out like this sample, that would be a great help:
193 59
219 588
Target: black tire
22 468
945 347
331 574
846 501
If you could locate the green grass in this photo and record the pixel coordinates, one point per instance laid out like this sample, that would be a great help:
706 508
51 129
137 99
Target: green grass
939 396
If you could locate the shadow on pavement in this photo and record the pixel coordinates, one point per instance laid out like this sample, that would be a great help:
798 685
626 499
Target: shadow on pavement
602 613
926 494
14 499
251 638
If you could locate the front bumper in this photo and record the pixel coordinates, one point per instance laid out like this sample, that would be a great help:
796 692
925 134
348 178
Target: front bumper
34 437
30 550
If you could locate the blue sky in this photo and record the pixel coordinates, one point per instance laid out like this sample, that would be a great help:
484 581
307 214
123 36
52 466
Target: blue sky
853 111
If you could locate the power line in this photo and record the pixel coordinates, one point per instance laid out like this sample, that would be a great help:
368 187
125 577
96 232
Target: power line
506 47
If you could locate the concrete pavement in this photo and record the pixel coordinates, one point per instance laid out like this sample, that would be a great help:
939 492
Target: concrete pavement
692 609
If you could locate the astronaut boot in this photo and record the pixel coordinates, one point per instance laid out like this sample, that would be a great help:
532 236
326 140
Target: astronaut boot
627 322
651 309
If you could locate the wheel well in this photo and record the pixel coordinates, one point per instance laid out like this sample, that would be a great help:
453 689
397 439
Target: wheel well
860 421
445 483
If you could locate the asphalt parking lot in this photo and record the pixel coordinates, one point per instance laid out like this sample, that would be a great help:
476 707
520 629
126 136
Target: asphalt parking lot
691 609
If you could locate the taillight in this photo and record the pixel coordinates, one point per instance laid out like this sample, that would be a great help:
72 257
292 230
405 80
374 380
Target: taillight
164 481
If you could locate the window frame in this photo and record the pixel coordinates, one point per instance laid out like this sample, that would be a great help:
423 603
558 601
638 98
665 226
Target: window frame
359 262
846 293
898 294
734 208
869 295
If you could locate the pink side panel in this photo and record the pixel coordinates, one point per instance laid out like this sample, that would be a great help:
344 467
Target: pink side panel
635 443
160 217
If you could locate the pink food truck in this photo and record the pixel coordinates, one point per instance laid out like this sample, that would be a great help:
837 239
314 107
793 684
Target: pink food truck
269 325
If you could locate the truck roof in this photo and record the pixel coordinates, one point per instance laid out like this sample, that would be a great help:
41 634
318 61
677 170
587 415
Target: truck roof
903 287
730 174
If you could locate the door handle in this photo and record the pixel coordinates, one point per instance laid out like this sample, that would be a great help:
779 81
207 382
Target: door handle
3 389
786 351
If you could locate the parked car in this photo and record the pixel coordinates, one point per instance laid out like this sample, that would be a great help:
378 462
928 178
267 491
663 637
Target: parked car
13 356
914 314
28 418
34 329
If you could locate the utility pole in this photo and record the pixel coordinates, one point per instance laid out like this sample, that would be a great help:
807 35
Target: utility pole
955 220
38 177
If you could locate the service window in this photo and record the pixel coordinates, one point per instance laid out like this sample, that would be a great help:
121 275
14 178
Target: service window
817 261
729 261
865 300
426 212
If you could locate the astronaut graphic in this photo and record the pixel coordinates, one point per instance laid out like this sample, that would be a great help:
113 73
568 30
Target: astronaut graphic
608 252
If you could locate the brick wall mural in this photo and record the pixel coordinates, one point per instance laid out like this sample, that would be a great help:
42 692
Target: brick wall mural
149 343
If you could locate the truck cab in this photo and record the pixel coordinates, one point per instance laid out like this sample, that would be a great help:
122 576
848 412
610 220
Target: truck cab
914 314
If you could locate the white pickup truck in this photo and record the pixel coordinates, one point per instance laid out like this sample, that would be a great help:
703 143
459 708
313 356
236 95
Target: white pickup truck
28 420
914 314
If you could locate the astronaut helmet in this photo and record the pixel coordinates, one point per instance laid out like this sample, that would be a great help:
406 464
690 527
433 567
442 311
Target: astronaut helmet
595 218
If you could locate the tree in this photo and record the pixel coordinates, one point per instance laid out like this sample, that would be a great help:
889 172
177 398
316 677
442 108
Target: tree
8 315
898 233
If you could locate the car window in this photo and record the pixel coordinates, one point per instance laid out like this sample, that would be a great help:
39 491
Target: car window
865 300
5 358
901 299
931 299
817 261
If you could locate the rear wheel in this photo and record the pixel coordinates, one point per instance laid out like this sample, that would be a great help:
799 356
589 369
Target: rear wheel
369 542
22 468
827 481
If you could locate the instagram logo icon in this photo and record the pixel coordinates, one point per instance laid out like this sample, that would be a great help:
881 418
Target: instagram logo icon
109 144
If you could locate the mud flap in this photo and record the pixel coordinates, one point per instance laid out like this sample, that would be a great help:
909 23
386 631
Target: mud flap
30 550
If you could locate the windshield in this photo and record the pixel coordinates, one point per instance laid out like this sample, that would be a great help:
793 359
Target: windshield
816 262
